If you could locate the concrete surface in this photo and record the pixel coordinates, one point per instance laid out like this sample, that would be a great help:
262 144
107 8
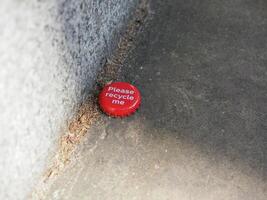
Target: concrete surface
201 132
49 55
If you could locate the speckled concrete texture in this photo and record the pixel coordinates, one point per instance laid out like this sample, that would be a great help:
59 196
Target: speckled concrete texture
49 55
201 132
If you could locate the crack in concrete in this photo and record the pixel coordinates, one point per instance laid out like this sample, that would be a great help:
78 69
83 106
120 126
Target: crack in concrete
89 111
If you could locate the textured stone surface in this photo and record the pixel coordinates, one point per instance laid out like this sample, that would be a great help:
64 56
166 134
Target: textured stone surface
200 133
49 54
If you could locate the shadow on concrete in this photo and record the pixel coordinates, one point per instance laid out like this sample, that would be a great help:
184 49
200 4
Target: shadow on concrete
201 68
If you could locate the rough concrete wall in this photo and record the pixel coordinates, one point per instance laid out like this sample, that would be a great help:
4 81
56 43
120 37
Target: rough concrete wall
49 55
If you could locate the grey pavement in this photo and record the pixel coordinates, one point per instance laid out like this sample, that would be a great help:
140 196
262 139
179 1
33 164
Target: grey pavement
201 132
50 53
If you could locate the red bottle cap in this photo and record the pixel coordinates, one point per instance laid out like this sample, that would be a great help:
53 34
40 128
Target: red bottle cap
119 99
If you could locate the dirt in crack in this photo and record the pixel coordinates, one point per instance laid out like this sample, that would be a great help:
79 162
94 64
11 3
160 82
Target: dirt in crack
89 111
